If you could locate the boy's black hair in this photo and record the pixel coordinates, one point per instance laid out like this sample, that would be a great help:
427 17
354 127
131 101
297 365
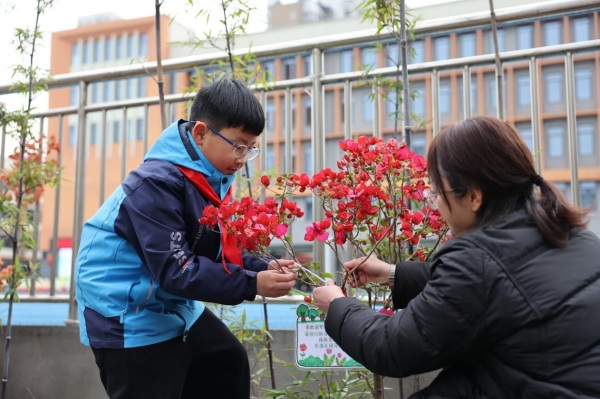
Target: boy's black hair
228 103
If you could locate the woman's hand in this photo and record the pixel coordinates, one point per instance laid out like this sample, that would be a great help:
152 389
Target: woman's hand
322 296
367 270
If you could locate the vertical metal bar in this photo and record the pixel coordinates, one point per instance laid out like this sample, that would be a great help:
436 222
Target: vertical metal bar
288 133
318 148
145 130
123 146
535 114
347 109
262 165
80 172
467 91
102 159
435 100
572 128
36 218
54 245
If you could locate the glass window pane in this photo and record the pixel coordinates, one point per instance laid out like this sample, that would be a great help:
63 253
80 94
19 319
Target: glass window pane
553 87
467 45
524 37
584 83
555 137
586 138
368 57
523 90
75 55
417 51
552 33
581 28
346 61
143 44
441 48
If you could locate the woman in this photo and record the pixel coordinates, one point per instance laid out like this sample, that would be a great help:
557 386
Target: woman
508 308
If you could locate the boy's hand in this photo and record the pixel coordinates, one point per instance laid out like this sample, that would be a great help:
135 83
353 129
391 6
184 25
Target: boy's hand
274 283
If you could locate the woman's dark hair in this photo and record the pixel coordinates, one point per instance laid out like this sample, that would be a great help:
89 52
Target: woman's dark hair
228 103
489 154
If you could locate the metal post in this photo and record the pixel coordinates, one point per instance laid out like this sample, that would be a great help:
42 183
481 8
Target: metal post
435 101
80 173
572 128
535 113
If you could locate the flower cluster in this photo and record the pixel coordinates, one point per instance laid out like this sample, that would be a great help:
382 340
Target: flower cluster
253 224
373 205
374 202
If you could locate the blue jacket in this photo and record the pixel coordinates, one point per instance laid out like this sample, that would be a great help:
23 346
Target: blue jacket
145 262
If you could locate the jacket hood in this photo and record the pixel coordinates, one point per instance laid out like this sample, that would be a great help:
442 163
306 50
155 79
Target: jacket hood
175 145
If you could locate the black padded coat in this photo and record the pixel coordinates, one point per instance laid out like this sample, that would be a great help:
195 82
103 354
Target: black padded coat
502 313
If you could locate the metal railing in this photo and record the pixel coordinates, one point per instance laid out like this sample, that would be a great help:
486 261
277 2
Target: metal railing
316 85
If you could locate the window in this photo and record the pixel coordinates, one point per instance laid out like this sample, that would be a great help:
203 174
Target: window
584 82
307 111
368 57
106 88
93 133
555 136
522 89
418 143
501 41
467 45
289 68
143 44
552 33
270 116
96 90
74 95
75 55
346 61
72 136
586 138
445 99
392 55
417 51
581 29
553 87
308 65
130 132
139 129
492 95
130 46
441 48
391 105
307 157
588 191
269 68
524 37
118 86
96 56
116 131
270 157
120 48
418 102
85 53
367 108
141 86
525 130
130 88
109 48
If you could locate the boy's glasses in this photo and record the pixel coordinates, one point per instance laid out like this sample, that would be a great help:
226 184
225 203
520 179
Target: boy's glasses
239 150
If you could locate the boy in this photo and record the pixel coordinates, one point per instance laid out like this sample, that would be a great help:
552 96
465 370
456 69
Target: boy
145 262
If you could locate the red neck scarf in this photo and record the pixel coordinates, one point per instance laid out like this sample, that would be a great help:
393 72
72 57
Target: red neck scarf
228 244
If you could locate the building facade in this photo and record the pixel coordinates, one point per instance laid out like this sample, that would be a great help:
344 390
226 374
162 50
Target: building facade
118 130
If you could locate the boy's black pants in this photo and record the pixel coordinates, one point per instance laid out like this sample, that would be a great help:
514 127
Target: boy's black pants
212 360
